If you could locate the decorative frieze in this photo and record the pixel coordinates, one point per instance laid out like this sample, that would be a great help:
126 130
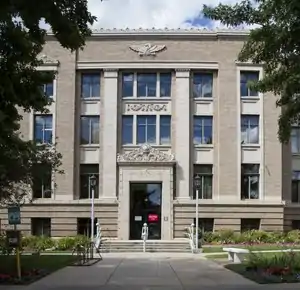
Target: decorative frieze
146 107
147 49
47 60
145 153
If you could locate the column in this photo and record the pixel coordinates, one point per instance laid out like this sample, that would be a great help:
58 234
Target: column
182 140
109 134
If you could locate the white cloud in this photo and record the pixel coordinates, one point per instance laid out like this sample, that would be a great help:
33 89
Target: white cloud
147 13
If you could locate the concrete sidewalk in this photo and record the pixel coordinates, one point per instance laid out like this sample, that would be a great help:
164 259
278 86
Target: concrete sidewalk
146 273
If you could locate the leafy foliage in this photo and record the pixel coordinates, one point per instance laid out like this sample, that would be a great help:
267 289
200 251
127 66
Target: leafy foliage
275 43
22 41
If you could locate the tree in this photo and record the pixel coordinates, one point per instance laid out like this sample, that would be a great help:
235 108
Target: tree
275 44
22 41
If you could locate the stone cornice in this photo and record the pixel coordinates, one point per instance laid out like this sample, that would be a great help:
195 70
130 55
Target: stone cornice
180 32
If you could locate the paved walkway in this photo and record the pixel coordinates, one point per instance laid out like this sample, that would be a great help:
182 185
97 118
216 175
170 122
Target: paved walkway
150 272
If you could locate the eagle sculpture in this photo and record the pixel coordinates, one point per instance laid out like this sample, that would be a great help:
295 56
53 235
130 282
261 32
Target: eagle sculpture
147 49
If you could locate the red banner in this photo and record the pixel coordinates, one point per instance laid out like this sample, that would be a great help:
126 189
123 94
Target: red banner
152 218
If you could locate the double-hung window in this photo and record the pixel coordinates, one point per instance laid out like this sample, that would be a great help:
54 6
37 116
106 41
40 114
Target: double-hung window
296 187
203 85
43 129
90 85
250 129
250 181
89 130
205 174
246 77
146 129
295 140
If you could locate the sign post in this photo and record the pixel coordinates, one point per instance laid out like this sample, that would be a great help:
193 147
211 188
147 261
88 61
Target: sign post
14 237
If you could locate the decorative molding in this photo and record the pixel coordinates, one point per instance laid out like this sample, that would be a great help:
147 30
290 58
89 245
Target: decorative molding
182 69
146 107
146 153
47 60
147 49
110 69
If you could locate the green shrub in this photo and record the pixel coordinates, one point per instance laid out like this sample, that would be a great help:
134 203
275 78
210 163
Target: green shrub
69 243
37 243
293 236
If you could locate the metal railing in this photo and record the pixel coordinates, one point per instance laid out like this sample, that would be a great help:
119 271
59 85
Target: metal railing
144 236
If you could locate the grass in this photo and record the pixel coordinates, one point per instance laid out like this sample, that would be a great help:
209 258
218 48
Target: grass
47 264
218 249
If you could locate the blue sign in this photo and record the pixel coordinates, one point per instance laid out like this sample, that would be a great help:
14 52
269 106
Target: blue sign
14 215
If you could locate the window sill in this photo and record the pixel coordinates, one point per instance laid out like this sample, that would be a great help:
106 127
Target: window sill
90 100
203 146
297 155
90 146
250 146
250 99
203 100
137 99
131 146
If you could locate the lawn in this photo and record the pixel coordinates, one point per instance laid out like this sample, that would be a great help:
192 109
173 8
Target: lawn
33 267
218 249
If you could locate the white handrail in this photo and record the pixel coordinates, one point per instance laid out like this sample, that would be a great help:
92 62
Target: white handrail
191 236
144 236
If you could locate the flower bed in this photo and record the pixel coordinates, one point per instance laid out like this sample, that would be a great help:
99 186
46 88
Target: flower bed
270 268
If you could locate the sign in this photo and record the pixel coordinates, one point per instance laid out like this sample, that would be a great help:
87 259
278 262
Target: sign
152 218
13 239
14 215
138 218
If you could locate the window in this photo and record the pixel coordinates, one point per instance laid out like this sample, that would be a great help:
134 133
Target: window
202 85
250 224
89 129
86 172
250 129
165 130
296 224
127 85
295 140
146 85
84 226
43 129
250 181
48 89
90 85
41 227
165 81
205 224
245 78
296 186
42 182
146 129
127 129
203 130
206 179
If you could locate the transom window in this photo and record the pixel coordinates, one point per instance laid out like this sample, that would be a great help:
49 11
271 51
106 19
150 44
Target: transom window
146 85
89 128
245 78
250 181
86 172
296 187
206 179
295 140
203 85
43 129
203 130
142 129
90 85
250 129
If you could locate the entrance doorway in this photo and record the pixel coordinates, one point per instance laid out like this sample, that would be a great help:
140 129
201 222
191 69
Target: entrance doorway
145 207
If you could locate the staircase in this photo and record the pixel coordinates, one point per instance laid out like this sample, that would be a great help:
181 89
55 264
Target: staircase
121 246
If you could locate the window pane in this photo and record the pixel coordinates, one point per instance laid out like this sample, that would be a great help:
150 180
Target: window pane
90 85
49 89
95 130
165 84
202 85
165 129
127 85
89 130
245 78
204 173
250 181
295 140
146 129
203 130
146 84
86 172
43 128
127 130
85 131
295 191
250 129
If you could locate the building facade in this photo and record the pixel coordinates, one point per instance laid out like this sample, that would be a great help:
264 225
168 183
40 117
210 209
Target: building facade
145 111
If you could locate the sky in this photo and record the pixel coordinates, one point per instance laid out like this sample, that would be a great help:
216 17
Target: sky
152 13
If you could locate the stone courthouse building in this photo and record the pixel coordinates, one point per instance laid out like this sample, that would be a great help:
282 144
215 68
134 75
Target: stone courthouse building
145 111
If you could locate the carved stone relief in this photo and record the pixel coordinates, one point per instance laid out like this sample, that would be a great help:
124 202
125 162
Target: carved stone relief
146 107
48 60
147 49
145 153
